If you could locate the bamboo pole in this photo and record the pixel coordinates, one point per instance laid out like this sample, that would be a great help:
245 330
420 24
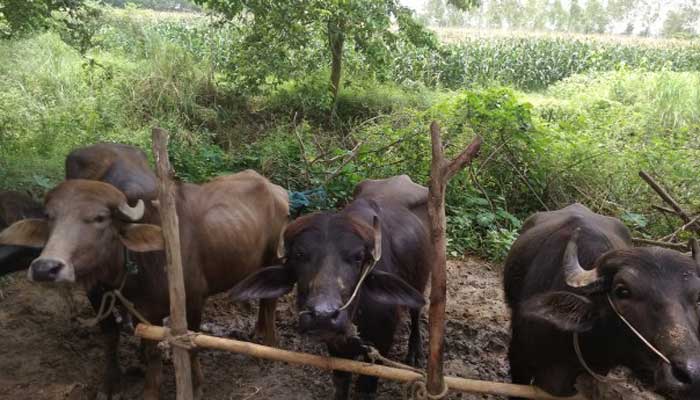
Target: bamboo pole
176 282
440 173
152 332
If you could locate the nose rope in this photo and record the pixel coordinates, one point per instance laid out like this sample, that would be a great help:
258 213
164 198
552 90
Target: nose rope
359 283
584 364
636 332
600 378
110 297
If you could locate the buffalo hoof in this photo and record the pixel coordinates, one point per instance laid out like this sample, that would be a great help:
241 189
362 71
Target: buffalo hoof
414 359
198 393
367 396
105 396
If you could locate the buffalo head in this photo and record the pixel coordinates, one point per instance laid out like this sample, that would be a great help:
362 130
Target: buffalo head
87 226
325 256
657 291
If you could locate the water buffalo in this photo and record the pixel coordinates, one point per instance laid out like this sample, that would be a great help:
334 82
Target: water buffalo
229 228
557 305
15 206
123 166
326 256
398 188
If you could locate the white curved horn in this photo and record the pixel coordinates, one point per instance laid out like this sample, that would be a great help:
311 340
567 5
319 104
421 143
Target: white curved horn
132 213
377 251
575 274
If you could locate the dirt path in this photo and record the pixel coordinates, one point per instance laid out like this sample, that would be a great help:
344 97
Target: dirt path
46 356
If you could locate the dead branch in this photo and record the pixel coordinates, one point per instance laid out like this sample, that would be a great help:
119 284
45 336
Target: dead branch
668 245
665 196
663 209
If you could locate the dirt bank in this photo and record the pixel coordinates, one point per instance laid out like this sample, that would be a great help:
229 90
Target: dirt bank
44 355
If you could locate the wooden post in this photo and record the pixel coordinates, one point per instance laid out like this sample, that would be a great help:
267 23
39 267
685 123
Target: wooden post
357 367
440 173
176 282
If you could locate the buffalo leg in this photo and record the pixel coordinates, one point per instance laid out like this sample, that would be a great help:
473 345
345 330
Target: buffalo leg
265 327
111 385
415 341
341 380
520 371
194 320
557 379
377 327
154 367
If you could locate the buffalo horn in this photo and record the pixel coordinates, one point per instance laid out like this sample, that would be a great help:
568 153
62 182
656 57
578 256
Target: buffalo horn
134 213
576 276
695 249
377 251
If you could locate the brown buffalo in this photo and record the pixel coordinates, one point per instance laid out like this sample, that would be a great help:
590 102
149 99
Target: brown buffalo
326 254
229 228
569 274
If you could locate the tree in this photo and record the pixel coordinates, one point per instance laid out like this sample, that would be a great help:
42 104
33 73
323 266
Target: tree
575 16
274 30
436 11
20 16
595 18
557 16
682 23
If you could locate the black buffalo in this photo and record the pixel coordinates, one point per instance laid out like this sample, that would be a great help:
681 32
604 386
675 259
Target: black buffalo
553 298
15 206
326 254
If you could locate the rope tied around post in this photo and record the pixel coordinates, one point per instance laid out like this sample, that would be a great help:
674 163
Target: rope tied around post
185 341
413 390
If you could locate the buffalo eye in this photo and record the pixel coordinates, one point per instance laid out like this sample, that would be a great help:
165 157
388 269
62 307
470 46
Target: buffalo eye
99 219
298 254
622 292
358 258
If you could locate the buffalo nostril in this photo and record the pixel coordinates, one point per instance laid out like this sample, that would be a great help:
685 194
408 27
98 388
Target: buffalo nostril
54 270
680 372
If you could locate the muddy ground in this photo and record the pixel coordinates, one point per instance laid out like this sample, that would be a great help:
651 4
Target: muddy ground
46 355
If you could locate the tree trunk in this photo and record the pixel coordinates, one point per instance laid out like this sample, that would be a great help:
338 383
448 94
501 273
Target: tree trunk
336 40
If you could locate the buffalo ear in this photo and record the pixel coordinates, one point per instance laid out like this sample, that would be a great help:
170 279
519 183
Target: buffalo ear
27 232
142 238
268 283
565 310
387 288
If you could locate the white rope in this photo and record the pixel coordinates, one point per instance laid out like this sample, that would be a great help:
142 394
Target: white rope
636 332
584 364
600 378
359 284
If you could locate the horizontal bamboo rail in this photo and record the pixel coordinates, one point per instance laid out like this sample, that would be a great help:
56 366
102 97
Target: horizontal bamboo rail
159 333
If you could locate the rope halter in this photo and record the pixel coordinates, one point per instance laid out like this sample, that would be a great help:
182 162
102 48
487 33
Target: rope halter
376 256
600 378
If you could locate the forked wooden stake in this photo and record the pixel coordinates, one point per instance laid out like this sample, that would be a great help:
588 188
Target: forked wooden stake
440 173
176 286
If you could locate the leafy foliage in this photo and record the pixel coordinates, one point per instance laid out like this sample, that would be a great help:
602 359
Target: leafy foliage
610 110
